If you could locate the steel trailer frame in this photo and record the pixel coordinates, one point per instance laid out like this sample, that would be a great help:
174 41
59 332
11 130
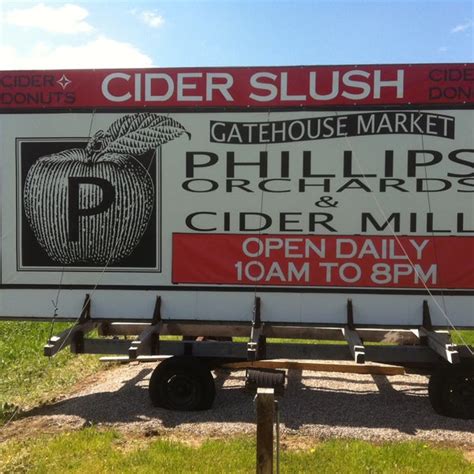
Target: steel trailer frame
210 345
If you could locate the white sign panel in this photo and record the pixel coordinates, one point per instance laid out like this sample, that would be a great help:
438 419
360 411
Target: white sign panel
305 209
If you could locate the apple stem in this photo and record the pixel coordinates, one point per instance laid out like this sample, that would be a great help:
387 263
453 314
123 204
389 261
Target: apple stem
96 145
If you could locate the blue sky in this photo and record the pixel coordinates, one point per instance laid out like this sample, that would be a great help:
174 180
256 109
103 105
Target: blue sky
83 34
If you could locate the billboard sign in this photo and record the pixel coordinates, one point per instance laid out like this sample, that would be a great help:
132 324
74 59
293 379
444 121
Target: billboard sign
304 186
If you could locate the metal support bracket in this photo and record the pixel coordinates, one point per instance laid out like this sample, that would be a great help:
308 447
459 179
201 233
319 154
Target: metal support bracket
427 324
256 347
438 342
74 336
356 346
148 342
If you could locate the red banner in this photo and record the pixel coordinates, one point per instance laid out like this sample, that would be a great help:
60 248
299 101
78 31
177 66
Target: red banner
324 260
256 87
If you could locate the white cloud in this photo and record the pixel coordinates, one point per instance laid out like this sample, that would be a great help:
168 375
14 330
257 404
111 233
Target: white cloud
101 52
66 19
150 18
443 49
462 27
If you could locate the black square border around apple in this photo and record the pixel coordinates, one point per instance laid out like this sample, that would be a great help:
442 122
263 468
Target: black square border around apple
146 256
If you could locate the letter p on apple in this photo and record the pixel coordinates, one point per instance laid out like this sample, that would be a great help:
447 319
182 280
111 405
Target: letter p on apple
75 212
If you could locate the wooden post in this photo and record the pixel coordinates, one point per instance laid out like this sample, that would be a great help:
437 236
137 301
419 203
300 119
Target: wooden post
265 402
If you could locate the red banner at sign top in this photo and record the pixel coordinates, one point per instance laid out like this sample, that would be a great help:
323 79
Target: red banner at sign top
253 87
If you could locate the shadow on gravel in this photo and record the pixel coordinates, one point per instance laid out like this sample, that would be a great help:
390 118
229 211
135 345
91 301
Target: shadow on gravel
405 410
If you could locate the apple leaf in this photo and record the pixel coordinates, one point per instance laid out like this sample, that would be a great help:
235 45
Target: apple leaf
137 133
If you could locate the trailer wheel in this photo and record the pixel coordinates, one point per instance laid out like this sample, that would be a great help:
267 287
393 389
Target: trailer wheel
183 384
451 392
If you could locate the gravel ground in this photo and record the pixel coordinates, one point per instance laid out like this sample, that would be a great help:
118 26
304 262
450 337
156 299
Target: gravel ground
315 405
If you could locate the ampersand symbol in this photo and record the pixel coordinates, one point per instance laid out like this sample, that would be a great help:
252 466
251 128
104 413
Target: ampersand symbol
326 201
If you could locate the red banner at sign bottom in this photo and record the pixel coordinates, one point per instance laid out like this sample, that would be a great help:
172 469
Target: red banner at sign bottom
324 260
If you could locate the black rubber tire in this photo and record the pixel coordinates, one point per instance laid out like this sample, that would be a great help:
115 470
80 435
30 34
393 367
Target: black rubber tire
182 384
451 392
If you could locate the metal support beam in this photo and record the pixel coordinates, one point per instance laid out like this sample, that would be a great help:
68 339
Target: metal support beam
106 346
427 324
149 339
439 343
350 315
420 356
355 343
74 336
256 346
272 330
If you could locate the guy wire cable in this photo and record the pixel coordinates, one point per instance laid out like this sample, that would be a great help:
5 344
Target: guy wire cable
102 273
261 205
428 196
55 305
380 208
443 299
55 302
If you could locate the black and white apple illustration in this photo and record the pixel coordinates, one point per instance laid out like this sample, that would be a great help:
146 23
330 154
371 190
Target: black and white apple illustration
92 206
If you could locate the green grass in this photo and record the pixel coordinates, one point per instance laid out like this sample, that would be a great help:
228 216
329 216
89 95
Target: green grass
27 378
463 337
92 450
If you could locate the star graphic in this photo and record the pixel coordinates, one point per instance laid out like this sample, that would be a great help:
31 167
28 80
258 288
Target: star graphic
64 81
